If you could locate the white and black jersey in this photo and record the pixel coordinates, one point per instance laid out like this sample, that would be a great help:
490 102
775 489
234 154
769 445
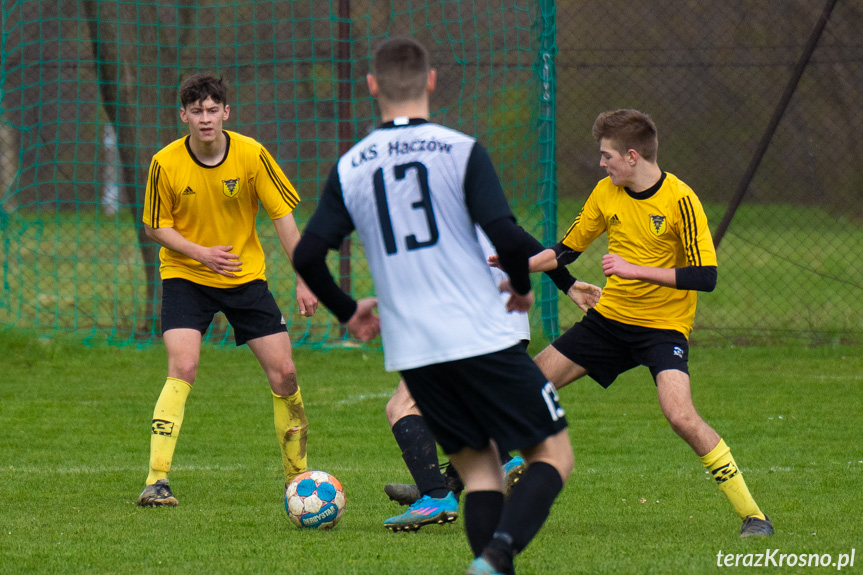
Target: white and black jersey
414 192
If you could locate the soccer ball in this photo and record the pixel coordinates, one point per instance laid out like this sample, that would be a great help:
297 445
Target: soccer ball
315 500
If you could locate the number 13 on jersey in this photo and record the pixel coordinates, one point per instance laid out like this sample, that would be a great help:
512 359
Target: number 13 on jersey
400 172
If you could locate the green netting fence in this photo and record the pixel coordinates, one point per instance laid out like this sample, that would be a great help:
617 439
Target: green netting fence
719 80
88 92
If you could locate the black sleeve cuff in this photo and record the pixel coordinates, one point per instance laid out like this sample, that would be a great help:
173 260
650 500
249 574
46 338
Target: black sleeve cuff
697 278
565 255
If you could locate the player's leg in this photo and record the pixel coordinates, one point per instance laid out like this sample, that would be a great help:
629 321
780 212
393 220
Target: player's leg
257 321
675 399
289 414
420 454
518 405
557 368
430 500
187 311
520 517
183 347
484 485
418 447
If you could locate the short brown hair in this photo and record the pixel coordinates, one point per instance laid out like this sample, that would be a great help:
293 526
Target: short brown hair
401 67
199 87
628 130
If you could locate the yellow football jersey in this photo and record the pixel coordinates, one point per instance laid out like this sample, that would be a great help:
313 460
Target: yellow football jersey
664 226
216 205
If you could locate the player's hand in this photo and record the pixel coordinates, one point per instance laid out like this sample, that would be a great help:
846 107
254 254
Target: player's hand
365 325
515 300
613 264
494 262
221 260
518 302
307 301
584 295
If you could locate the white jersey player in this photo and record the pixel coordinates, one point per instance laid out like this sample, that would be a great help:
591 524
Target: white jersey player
414 191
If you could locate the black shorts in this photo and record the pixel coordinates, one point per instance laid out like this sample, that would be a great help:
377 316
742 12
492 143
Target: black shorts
606 348
501 396
250 308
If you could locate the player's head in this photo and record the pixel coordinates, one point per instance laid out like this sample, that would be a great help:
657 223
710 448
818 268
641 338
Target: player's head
204 98
626 130
401 71
197 88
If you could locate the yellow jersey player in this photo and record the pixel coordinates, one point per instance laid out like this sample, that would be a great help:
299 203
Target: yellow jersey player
202 198
660 254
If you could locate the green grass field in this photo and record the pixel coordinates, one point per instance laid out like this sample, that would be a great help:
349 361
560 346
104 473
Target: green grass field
74 449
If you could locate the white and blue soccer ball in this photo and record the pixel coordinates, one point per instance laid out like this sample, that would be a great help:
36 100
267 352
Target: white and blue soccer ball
315 500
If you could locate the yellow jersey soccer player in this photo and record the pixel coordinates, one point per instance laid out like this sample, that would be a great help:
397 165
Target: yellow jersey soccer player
202 198
660 254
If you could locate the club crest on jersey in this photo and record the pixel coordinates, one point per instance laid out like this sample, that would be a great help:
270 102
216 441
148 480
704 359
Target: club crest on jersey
231 187
658 224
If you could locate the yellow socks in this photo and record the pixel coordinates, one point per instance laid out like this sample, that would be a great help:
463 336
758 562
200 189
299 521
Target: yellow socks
722 467
289 416
167 419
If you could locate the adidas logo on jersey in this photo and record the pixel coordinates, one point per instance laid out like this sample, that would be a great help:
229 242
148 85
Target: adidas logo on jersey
614 221
188 191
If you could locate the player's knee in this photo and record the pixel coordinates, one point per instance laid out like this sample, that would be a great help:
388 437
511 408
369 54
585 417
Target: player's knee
184 370
283 379
683 423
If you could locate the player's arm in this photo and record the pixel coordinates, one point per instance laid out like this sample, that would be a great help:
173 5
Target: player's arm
488 207
358 316
289 237
328 227
698 278
279 198
556 257
583 294
589 224
587 227
310 261
507 239
217 258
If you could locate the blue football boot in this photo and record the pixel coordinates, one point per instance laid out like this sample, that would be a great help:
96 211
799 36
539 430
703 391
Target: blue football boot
425 511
